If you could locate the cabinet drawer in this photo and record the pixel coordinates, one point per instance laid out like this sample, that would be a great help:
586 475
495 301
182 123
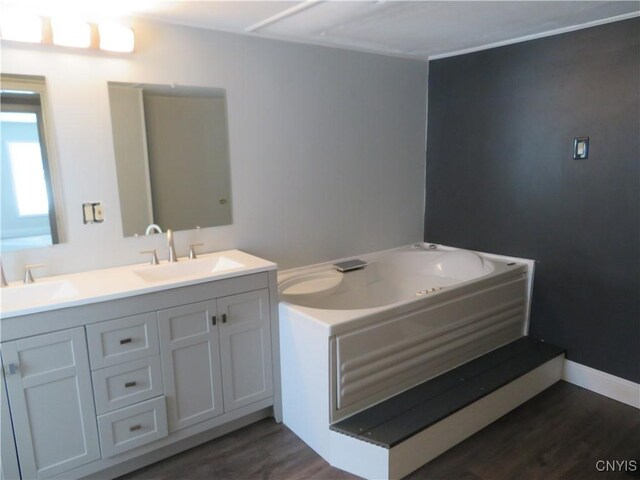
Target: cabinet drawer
122 340
132 427
128 383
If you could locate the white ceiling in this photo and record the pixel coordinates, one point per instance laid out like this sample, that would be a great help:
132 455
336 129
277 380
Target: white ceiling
417 29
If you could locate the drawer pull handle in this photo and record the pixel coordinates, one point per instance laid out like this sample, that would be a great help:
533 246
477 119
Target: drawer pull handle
213 320
130 384
126 340
224 318
135 427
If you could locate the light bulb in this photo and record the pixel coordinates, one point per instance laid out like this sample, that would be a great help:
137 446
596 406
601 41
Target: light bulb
116 38
69 32
21 28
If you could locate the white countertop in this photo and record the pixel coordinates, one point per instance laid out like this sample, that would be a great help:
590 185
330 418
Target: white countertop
61 291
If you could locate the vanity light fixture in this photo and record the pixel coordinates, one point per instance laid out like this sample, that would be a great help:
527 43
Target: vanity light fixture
66 32
116 38
69 32
21 28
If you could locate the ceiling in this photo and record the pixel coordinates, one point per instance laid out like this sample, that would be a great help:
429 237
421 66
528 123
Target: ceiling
416 29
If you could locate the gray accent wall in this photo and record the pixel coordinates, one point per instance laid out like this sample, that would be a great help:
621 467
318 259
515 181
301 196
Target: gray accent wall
501 178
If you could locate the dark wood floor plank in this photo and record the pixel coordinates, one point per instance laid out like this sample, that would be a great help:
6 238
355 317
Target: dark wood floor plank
546 438
559 434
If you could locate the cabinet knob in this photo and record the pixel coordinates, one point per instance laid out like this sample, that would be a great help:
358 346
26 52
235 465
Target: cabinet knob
224 318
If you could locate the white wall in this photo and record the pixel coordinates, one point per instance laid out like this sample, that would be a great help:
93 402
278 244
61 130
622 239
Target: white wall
327 146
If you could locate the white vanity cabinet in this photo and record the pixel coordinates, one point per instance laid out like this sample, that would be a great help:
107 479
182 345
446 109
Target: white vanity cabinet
190 363
9 469
122 340
49 390
245 348
127 383
216 356
104 388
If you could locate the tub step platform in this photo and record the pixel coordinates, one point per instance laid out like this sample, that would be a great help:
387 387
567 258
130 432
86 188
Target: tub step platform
402 433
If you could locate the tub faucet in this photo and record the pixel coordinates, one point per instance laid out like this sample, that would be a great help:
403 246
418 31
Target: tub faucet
172 249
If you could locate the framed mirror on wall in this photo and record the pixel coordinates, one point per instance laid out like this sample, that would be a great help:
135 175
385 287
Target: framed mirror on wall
172 156
30 192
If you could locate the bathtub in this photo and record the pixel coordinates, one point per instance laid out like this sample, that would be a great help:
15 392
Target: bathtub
349 340
391 278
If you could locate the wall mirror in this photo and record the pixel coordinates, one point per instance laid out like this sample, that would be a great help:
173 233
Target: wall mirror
28 213
172 156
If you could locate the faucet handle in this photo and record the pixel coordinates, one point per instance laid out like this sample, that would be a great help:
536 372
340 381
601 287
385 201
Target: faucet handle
154 256
192 250
3 280
28 277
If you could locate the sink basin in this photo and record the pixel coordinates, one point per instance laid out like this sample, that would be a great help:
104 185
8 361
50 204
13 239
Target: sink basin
202 267
21 296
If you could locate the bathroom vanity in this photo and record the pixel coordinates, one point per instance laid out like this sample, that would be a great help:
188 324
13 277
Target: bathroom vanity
107 371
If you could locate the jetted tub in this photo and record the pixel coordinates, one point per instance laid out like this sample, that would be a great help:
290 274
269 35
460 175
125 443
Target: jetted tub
350 340
390 278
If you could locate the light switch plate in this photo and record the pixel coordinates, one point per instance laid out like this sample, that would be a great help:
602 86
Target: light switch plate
581 148
92 212
98 212
87 213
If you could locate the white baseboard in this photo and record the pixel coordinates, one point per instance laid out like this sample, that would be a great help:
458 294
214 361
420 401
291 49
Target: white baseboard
603 383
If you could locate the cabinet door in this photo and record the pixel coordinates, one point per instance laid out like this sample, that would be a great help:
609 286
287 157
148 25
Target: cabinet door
245 347
49 388
189 349
8 457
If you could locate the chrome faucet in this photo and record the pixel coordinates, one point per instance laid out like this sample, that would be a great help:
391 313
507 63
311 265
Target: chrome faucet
151 228
172 249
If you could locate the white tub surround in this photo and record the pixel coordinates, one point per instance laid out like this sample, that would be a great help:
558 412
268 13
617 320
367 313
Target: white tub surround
350 340
111 370
406 317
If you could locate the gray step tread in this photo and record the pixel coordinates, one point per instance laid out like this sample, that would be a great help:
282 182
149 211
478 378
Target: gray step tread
396 419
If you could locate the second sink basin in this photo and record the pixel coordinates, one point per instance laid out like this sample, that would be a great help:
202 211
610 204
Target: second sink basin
202 267
21 296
